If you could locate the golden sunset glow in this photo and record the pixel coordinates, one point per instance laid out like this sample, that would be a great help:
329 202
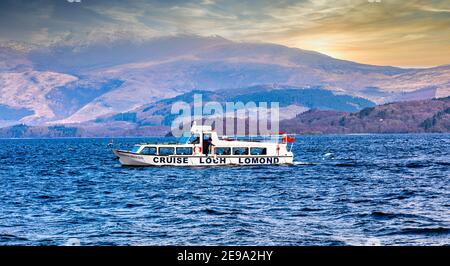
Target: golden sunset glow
400 33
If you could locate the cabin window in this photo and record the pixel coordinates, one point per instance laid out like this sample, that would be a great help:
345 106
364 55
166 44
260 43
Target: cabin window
149 151
166 151
194 139
184 151
240 151
135 149
223 151
258 151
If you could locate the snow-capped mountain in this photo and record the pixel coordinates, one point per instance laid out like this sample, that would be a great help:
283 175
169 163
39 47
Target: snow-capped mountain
70 82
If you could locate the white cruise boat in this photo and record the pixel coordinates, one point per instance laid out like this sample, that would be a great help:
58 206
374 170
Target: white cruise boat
202 147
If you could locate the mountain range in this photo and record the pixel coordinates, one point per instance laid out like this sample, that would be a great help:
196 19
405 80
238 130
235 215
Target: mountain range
95 83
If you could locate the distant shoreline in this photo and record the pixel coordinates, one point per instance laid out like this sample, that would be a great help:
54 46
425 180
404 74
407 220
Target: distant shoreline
303 134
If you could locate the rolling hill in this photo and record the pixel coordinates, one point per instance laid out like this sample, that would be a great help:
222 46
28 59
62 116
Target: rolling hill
401 117
291 100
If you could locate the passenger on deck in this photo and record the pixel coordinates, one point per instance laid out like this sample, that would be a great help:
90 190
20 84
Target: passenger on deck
206 143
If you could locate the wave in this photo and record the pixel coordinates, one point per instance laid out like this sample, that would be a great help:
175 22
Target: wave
214 212
305 163
9 237
422 231
417 164
390 215
306 209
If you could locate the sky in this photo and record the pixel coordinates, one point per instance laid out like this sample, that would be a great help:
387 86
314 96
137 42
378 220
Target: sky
407 33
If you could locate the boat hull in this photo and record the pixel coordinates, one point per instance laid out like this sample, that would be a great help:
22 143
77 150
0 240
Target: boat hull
132 159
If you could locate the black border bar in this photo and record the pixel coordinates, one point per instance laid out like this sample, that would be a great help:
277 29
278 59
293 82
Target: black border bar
226 255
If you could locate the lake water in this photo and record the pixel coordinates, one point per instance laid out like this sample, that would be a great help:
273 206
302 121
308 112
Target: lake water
345 190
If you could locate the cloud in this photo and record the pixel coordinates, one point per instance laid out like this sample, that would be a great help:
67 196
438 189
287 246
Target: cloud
371 32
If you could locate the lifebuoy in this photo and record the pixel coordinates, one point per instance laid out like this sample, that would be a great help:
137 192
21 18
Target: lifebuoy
199 149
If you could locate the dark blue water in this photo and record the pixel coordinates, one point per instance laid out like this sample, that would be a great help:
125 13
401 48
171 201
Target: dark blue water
352 190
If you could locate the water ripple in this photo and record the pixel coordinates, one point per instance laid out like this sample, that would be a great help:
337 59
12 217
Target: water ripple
343 190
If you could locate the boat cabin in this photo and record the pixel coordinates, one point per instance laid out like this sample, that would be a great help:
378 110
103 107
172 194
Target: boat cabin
202 140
